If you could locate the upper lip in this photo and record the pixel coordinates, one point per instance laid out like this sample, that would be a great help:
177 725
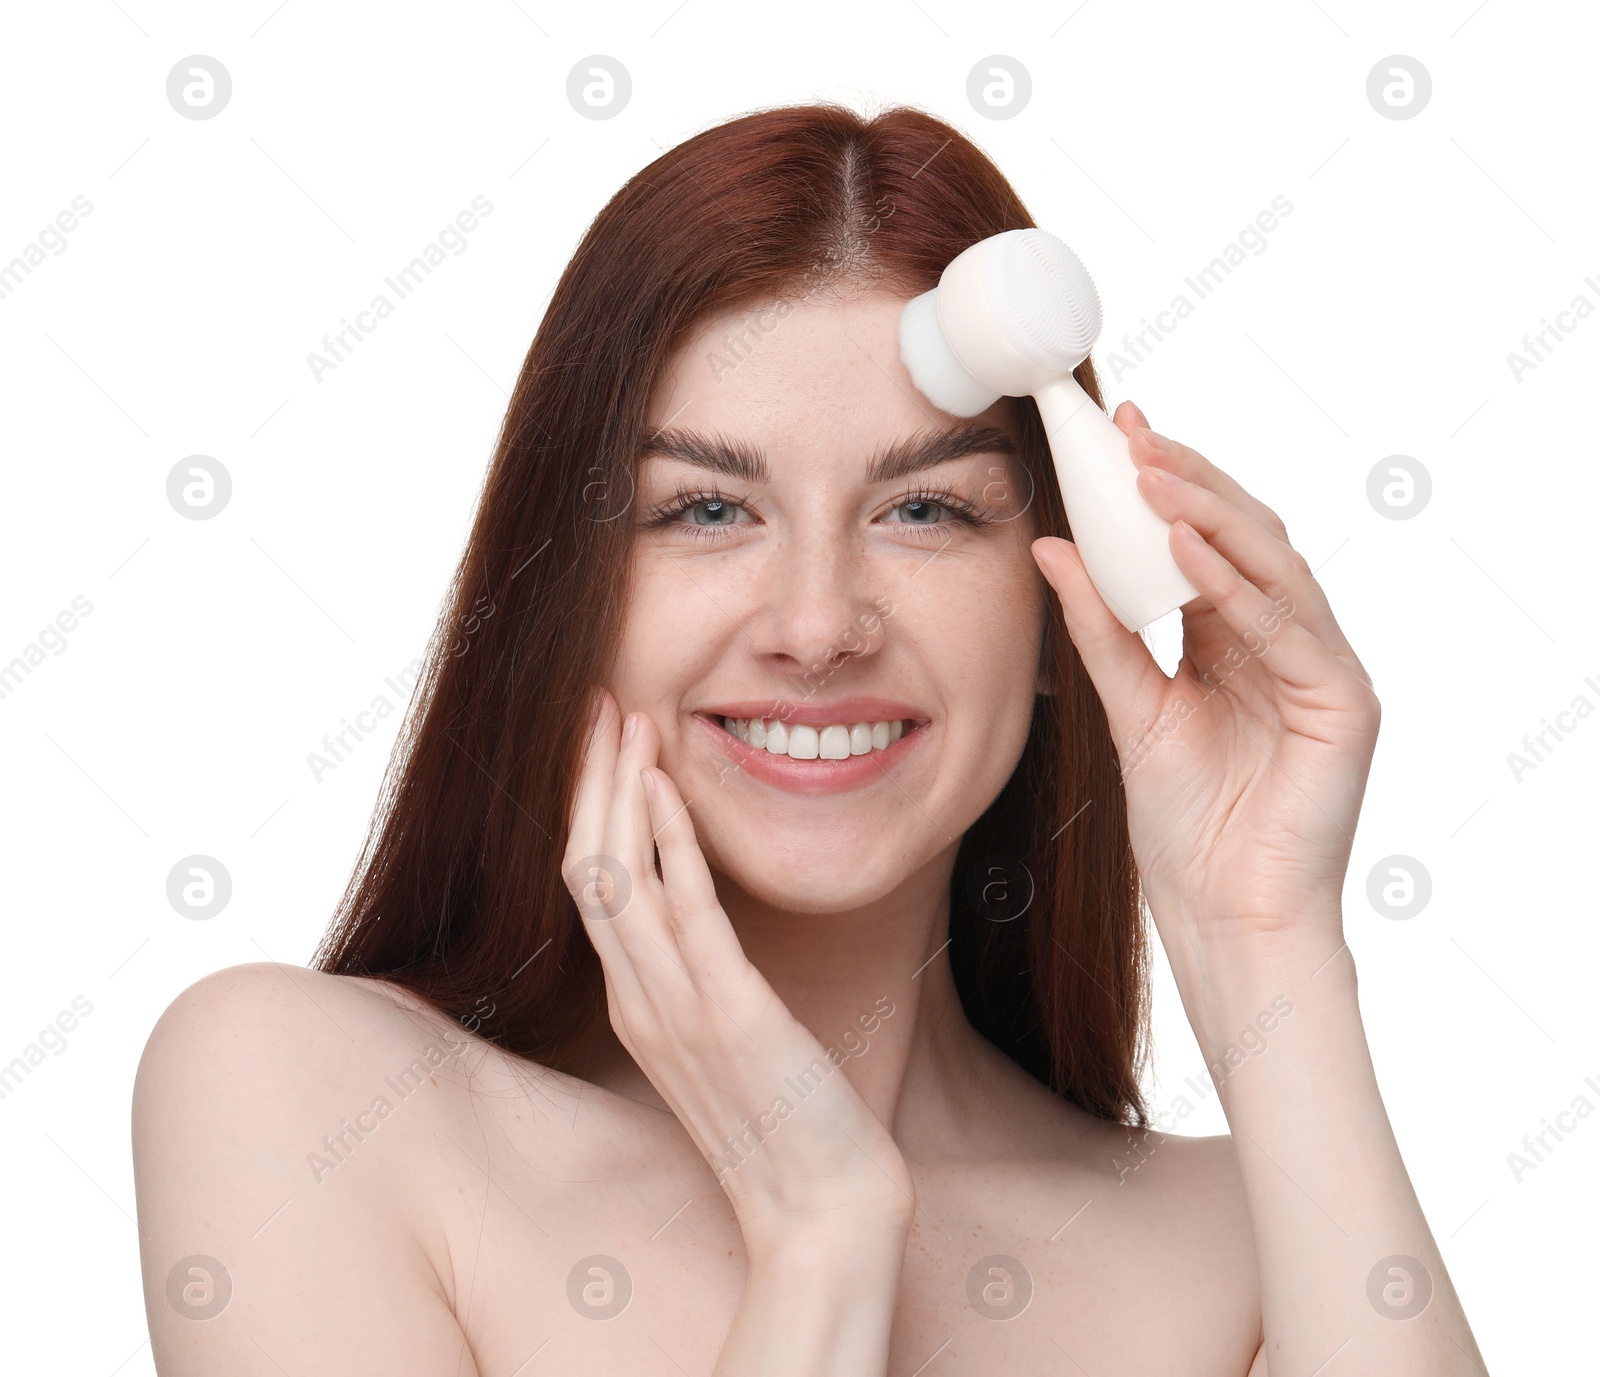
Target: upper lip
840 710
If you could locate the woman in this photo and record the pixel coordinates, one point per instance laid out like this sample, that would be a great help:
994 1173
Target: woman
851 1084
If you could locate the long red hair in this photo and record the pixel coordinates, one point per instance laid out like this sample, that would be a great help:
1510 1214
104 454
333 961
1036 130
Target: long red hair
458 895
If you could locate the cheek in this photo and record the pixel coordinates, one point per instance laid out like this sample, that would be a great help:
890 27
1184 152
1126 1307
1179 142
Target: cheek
990 638
664 629
976 629
983 618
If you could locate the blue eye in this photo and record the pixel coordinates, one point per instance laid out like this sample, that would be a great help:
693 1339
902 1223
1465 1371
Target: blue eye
717 512
931 515
698 514
921 512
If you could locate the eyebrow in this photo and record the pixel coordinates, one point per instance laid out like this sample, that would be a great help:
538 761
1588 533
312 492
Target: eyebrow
908 455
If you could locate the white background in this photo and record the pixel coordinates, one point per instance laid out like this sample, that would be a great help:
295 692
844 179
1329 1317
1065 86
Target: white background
177 321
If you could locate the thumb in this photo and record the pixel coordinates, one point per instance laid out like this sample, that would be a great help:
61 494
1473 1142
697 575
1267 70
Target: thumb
1119 664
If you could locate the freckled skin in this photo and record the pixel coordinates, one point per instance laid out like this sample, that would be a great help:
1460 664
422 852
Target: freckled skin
750 609
466 1217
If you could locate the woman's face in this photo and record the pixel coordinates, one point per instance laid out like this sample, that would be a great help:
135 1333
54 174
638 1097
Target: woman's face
820 549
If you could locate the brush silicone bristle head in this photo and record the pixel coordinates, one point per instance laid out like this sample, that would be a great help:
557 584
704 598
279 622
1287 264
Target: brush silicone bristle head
1010 313
936 371
1048 303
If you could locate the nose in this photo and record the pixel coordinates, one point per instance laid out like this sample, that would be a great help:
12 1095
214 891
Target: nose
816 611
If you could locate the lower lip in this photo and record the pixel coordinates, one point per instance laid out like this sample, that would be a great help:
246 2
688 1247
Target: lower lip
812 776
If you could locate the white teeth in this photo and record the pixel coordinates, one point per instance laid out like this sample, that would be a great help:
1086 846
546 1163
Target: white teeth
802 743
836 741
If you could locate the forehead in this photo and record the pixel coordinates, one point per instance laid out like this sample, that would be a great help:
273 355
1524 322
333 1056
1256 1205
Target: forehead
821 373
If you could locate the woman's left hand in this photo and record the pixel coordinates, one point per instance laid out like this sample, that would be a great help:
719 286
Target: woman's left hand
1244 771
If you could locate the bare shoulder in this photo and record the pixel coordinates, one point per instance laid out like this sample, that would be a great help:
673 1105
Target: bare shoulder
285 1040
1140 1238
275 1000
1176 1216
267 986
1182 1162
293 1169
300 1030
1192 1181
1188 1193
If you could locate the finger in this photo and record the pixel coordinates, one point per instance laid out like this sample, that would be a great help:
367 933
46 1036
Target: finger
588 873
1273 565
1293 655
705 936
1145 446
1128 415
641 923
1150 449
590 801
1119 664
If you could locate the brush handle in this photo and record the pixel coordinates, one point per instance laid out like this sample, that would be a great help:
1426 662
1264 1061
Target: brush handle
1121 539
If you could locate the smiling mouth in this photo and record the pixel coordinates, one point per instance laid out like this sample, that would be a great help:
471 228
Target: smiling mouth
854 743
832 741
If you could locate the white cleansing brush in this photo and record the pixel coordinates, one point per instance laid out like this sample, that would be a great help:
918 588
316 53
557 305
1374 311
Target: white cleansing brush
1012 316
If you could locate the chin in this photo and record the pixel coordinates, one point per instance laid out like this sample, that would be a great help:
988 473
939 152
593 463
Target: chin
808 875
810 891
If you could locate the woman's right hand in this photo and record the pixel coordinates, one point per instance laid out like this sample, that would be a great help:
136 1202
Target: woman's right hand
703 1023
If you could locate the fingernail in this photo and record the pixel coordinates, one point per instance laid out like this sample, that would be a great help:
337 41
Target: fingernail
1163 476
1161 442
649 782
630 728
